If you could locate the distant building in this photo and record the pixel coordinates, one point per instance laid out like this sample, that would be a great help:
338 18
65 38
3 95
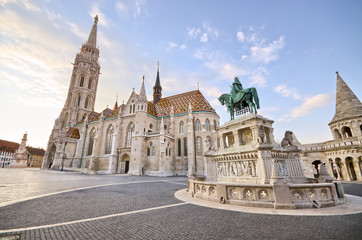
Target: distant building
13 154
342 155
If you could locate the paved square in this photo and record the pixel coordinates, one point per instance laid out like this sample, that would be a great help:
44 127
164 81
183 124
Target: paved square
77 206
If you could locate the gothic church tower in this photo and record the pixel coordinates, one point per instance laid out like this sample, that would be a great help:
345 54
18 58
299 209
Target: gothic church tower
83 85
157 89
79 103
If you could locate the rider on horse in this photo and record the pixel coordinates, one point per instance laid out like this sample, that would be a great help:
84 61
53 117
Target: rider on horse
237 92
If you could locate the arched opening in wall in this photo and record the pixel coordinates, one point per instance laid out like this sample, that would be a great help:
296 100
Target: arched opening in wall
125 164
337 134
185 146
339 167
148 151
360 127
350 168
198 126
182 127
90 83
316 168
78 100
86 102
130 132
51 156
334 168
346 131
91 141
81 83
109 139
179 147
207 125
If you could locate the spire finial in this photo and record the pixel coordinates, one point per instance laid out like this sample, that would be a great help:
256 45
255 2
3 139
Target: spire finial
96 19
158 66
92 39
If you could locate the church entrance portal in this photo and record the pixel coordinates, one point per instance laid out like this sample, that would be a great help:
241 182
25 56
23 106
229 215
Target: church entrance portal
125 164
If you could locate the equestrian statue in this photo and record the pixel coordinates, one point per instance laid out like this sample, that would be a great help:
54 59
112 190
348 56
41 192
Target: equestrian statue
240 98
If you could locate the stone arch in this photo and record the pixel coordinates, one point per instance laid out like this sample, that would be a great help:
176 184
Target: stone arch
350 168
340 169
333 168
182 127
92 135
51 156
87 102
81 80
316 164
207 125
198 125
109 139
346 131
90 80
129 135
337 134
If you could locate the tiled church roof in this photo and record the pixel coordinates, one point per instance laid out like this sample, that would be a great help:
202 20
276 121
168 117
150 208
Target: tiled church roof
36 151
73 133
180 103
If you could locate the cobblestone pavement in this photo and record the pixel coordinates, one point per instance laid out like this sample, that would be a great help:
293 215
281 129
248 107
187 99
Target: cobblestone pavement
143 208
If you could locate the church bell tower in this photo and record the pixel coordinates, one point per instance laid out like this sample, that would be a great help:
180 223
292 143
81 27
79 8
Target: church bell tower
157 89
84 81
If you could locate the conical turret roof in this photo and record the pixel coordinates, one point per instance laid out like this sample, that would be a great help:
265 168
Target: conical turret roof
347 103
143 90
92 39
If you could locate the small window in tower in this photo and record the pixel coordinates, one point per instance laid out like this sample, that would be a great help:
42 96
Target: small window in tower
81 81
86 102
78 101
90 83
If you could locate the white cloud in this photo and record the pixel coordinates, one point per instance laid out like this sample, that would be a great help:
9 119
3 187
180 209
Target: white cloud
172 45
193 32
226 70
183 46
310 104
121 7
257 78
204 38
240 36
269 53
139 8
212 32
287 92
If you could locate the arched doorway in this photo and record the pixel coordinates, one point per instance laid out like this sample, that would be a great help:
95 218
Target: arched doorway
51 156
125 163
316 169
350 168
334 168
339 168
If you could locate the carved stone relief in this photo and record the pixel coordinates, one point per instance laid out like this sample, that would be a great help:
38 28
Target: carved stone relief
237 169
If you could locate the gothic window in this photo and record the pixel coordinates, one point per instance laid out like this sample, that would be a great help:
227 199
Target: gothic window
156 126
185 146
91 141
90 83
130 109
86 102
134 107
153 151
81 81
109 138
215 125
181 127
207 125
179 147
130 132
198 125
148 151
198 146
141 107
78 101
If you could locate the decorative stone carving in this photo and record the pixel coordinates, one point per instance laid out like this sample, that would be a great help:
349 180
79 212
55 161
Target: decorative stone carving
287 141
237 169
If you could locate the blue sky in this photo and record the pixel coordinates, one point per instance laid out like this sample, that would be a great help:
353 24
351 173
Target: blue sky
288 50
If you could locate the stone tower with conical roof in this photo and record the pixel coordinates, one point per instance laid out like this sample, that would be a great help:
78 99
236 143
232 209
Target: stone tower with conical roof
347 120
157 89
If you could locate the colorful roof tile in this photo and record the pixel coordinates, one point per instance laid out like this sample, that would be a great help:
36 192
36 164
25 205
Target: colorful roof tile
73 133
180 103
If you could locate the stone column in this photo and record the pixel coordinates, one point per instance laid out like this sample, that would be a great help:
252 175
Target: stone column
236 138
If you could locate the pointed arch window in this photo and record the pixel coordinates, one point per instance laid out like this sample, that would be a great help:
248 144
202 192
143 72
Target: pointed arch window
109 139
198 146
207 125
130 133
86 102
91 141
81 83
90 83
182 127
78 101
148 151
215 126
198 125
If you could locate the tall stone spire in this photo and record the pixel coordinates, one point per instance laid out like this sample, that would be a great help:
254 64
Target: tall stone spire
92 39
157 89
143 90
347 103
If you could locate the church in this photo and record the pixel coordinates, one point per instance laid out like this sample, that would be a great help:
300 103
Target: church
162 137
